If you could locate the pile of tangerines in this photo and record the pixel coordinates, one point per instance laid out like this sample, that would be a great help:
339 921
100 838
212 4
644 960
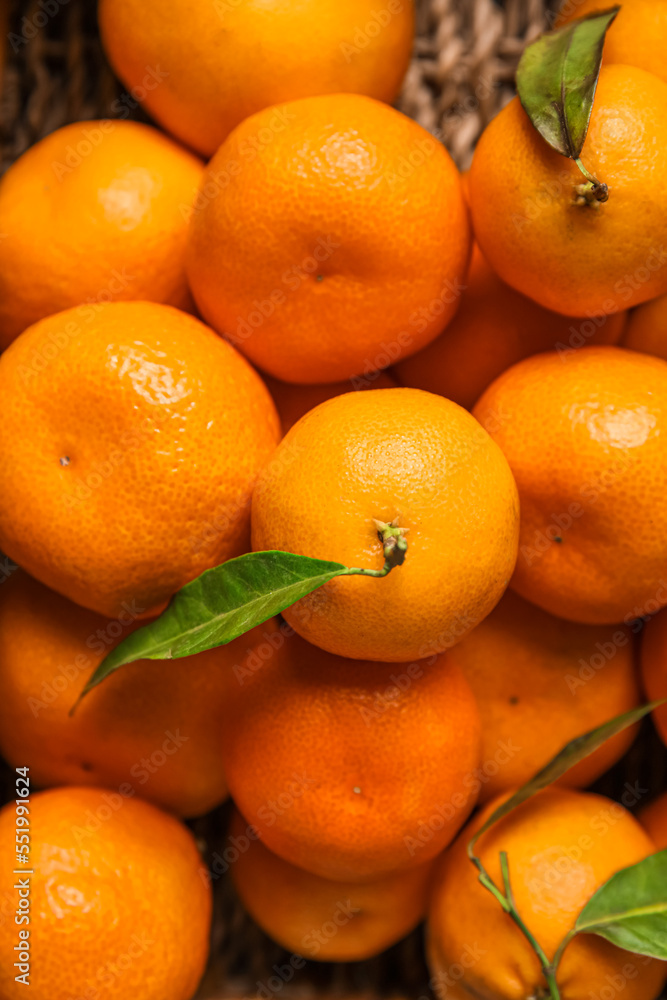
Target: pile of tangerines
322 328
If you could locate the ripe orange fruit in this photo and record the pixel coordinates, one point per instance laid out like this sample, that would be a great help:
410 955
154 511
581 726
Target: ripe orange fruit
394 453
637 37
584 434
130 443
562 846
97 211
338 247
541 681
320 919
200 68
647 328
494 328
654 667
654 819
120 904
351 770
153 726
574 258
293 401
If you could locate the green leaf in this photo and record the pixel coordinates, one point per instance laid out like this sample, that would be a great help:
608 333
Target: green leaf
630 910
571 754
220 605
557 77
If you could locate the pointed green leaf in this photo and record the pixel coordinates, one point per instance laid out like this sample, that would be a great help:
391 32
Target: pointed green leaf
557 77
630 910
571 754
220 605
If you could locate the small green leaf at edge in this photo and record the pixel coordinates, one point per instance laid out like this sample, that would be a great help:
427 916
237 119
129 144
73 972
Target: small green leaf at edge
571 754
220 605
630 909
557 77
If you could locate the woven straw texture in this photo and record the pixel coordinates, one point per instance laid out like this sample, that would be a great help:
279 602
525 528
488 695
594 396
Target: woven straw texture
465 57
466 52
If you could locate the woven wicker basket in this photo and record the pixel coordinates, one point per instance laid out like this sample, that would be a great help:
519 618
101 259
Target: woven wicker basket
465 57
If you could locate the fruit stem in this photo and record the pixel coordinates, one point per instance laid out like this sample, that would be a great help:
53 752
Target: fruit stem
561 948
509 906
593 192
394 548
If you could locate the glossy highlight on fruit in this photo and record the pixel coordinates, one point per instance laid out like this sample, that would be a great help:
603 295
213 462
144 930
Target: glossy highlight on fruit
584 434
391 454
336 248
95 212
200 68
130 443
561 846
153 726
578 259
353 770
95 925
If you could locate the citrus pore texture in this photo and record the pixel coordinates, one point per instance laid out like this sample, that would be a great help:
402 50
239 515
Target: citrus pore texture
294 401
583 432
130 443
120 902
561 847
578 259
201 68
330 238
494 327
154 725
97 211
541 681
297 909
391 454
350 769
